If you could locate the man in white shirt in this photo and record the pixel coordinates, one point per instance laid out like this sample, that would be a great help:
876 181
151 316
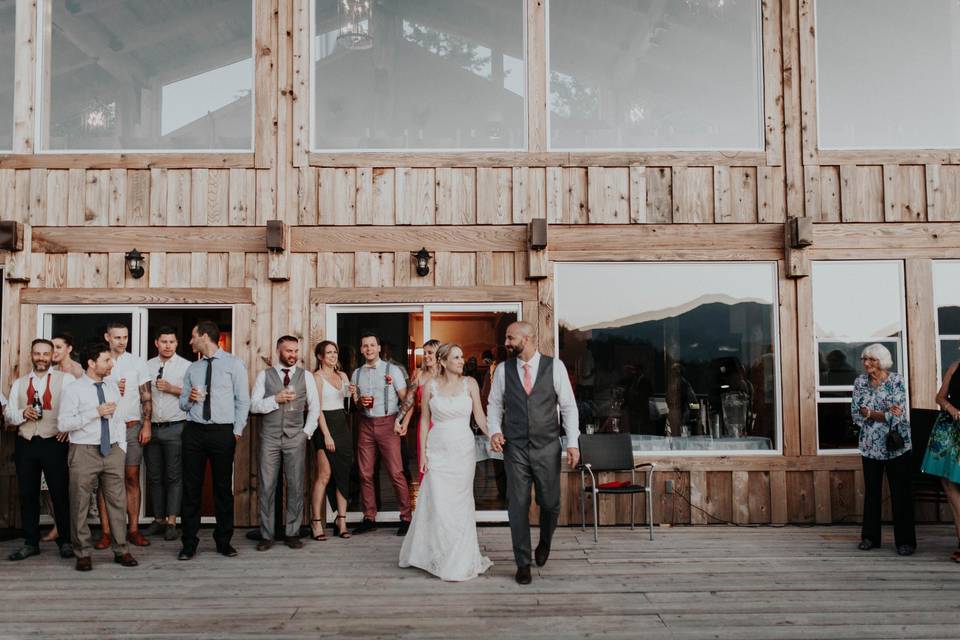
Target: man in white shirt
163 454
98 443
40 448
280 394
135 409
522 421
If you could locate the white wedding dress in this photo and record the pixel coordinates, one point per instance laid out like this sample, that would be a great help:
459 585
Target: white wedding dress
443 534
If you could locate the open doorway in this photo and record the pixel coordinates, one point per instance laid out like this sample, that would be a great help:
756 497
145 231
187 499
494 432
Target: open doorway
478 328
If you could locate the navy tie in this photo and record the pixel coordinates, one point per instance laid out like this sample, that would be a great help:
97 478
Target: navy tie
207 413
104 423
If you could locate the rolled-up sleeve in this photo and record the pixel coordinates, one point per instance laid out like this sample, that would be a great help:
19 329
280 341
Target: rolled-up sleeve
495 402
185 403
241 397
568 403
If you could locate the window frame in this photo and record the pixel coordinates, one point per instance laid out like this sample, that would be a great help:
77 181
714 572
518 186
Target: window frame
776 336
41 106
939 337
902 354
761 99
312 105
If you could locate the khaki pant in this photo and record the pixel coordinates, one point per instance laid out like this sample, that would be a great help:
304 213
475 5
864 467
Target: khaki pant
86 466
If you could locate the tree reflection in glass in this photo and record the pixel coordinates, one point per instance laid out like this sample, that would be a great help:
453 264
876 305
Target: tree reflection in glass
681 355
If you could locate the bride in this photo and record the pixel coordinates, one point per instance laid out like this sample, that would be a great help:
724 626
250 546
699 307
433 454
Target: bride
443 534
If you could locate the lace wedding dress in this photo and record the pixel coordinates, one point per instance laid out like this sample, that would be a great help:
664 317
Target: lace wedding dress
443 534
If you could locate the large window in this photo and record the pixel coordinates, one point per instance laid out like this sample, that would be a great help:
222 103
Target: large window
683 356
7 48
649 74
419 74
888 73
855 304
148 75
946 294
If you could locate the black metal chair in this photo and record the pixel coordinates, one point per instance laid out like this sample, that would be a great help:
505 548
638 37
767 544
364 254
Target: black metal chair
603 452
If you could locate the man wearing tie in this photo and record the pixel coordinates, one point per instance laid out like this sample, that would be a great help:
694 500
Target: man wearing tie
40 448
98 444
216 398
522 420
281 393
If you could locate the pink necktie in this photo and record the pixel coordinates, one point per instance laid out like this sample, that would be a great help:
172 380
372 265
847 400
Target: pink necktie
527 379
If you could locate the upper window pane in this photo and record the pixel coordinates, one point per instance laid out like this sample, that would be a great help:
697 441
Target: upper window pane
888 73
7 48
426 74
148 75
682 356
648 74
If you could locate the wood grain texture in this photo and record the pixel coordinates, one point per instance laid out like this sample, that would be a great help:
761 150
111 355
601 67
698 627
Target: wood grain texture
155 295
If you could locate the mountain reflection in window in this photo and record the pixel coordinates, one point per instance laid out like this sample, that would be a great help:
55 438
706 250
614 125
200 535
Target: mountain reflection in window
682 356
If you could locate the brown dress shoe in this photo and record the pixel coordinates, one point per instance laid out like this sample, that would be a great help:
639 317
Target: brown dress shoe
264 545
103 542
135 537
294 543
125 560
84 564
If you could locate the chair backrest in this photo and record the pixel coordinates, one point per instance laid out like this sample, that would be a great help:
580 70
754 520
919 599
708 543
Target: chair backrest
607 451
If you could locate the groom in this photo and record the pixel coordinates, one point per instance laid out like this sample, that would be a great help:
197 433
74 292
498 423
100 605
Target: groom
528 388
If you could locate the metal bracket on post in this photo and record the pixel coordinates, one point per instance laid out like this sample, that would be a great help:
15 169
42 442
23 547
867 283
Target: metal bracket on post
278 245
797 236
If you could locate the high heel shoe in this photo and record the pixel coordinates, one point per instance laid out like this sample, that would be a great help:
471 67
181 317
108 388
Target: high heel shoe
321 536
344 533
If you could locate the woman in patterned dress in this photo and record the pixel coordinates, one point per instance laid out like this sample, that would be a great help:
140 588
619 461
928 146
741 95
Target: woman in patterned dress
878 408
943 451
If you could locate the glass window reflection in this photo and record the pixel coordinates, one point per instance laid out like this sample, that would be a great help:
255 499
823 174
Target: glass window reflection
147 75
683 356
7 50
903 56
650 74
433 74
855 304
946 296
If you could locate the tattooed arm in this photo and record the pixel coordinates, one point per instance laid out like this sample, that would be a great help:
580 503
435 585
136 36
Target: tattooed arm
146 413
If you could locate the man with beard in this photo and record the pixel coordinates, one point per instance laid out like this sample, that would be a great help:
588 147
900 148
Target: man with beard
523 424
281 393
40 448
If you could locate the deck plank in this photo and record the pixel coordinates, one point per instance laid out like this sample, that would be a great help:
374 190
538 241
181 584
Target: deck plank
690 582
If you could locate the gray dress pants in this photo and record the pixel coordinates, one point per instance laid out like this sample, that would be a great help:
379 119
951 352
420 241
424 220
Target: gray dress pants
526 465
293 452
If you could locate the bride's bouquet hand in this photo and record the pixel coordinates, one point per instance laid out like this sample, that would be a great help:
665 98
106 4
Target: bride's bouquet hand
423 464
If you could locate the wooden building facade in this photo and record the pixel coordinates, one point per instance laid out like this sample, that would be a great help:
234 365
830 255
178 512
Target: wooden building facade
352 219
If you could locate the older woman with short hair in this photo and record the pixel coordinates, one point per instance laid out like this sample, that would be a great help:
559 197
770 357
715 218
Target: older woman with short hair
878 409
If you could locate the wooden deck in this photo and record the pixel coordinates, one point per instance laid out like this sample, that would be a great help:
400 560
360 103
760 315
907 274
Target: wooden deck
704 582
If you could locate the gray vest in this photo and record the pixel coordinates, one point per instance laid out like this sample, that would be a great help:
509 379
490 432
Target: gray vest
530 419
288 420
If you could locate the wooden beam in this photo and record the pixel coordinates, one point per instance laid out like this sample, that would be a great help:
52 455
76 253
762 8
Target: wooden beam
537 76
265 85
148 240
25 59
127 161
225 295
772 463
368 295
921 330
773 89
790 79
482 158
808 77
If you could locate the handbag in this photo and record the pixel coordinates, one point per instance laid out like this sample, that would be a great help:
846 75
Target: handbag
894 440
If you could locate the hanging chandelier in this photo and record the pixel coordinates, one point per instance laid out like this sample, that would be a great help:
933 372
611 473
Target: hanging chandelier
356 19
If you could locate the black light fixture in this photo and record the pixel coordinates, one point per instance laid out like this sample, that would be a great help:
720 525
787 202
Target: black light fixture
134 263
423 262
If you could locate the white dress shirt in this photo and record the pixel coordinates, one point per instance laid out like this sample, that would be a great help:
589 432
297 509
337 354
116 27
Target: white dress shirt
166 406
79 417
134 371
259 404
14 412
561 385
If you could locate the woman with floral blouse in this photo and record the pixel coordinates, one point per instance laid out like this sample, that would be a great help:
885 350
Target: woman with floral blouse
878 408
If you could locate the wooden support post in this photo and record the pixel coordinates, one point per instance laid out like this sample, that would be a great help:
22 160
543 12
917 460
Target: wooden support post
19 263
278 241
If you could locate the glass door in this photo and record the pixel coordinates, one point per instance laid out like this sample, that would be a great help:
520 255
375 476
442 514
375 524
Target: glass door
479 329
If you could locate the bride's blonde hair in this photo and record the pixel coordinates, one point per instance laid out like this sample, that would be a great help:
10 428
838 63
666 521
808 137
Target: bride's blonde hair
444 352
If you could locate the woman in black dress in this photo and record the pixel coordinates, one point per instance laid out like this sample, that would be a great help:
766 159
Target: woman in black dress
332 441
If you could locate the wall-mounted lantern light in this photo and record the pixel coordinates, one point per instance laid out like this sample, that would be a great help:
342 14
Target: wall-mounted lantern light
423 262
134 263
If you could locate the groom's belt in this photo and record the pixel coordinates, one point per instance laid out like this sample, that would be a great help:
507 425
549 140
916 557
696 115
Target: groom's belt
379 421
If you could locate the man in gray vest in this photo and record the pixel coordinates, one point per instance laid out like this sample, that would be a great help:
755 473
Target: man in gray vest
40 448
523 424
281 393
